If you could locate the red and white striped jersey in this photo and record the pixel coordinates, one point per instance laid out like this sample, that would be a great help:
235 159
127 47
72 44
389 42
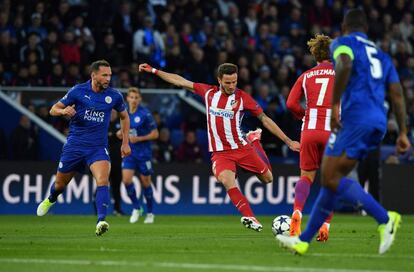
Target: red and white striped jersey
224 116
317 86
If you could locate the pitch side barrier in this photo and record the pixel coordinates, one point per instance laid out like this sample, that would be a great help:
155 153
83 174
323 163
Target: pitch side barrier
180 189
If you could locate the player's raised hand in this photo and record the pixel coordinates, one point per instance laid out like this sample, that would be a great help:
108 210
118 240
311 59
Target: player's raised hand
69 111
125 150
145 67
294 146
403 144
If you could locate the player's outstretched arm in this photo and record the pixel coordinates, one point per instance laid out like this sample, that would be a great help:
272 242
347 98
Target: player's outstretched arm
275 130
125 148
174 79
153 135
59 109
398 106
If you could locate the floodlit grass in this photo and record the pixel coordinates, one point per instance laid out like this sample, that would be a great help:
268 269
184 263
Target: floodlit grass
191 243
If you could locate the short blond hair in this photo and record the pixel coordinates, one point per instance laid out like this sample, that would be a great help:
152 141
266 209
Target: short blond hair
134 90
319 47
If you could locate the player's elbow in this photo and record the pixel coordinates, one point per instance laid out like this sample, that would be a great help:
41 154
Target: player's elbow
290 104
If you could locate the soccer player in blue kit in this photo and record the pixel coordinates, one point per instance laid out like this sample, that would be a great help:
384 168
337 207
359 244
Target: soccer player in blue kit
143 130
89 107
363 73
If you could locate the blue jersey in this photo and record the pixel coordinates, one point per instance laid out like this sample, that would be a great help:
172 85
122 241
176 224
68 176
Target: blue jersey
363 99
141 123
89 126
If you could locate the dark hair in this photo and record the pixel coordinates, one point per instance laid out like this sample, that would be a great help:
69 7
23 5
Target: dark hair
355 18
319 47
97 64
227 69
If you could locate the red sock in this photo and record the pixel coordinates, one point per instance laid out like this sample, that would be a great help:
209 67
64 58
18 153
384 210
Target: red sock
328 220
240 201
262 154
302 190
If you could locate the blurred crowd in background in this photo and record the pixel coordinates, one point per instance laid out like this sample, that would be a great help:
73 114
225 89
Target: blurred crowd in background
51 43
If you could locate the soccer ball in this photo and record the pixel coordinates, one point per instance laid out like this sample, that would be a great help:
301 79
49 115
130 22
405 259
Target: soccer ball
281 225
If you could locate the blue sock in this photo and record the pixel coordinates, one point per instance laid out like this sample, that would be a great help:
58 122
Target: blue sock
352 192
321 209
130 188
149 198
54 193
102 201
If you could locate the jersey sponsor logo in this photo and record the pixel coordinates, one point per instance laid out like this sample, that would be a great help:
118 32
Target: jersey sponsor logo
108 99
137 119
221 112
86 96
321 72
94 115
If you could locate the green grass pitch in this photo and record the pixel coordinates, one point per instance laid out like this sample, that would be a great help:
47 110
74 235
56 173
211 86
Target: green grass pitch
191 243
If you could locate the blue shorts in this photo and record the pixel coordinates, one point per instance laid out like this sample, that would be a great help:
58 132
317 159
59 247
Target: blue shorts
75 159
143 166
355 140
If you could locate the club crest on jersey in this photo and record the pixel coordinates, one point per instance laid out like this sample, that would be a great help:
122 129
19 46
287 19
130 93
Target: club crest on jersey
137 119
234 104
221 112
108 99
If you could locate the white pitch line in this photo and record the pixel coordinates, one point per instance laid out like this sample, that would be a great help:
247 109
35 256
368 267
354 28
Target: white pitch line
280 253
183 265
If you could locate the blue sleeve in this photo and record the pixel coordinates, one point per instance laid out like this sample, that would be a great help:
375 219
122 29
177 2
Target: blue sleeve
120 104
392 75
150 121
70 97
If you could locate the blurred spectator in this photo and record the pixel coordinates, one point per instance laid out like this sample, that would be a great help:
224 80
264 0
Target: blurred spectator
23 140
8 53
108 51
36 26
189 150
73 76
56 78
148 45
32 45
122 28
163 149
69 50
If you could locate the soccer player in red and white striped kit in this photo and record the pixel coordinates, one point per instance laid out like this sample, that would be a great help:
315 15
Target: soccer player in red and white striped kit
316 85
225 106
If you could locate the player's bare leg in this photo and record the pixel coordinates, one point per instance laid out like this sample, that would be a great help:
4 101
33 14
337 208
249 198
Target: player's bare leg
265 178
228 179
61 181
148 194
100 171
